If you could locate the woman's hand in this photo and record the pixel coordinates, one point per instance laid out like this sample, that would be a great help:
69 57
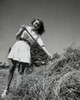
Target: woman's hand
50 58
23 27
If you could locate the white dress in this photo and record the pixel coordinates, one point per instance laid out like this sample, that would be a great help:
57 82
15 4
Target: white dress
20 51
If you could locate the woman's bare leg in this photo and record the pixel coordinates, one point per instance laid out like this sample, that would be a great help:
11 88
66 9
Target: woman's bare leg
12 65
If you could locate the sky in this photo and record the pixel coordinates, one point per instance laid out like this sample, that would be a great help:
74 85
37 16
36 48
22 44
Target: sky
61 20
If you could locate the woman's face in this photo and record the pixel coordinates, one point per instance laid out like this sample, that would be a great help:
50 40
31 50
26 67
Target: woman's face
36 24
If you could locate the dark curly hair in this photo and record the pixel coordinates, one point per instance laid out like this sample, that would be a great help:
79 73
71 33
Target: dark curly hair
41 29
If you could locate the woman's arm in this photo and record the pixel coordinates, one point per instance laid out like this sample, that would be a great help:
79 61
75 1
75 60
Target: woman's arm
46 51
18 35
40 42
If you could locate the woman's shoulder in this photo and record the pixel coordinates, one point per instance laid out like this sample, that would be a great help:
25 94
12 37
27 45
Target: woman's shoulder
28 27
25 26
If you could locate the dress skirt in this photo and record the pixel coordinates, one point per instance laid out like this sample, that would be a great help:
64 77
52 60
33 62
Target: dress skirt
20 51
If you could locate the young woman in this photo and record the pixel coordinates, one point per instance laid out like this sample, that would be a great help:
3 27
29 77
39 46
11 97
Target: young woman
20 51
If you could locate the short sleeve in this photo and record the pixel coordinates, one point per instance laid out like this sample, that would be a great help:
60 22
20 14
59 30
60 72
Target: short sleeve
18 35
39 40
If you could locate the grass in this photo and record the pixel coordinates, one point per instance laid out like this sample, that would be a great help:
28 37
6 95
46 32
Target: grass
59 80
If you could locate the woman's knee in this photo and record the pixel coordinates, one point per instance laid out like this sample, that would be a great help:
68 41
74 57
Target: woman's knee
11 70
12 65
21 68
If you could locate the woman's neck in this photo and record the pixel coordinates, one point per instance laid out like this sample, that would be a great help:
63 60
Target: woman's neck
36 31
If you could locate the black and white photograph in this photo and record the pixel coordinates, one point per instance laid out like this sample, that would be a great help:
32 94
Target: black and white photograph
39 50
